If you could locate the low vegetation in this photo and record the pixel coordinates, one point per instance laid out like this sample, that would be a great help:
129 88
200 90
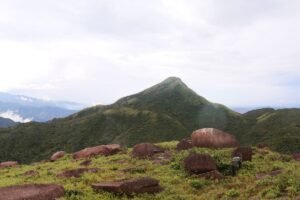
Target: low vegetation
252 182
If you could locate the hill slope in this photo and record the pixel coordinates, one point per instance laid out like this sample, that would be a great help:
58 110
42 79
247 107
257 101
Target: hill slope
4 123
167 111
250 183
278 128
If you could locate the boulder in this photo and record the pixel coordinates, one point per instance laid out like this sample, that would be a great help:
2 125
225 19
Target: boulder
8 164
86 163
130 187
269 174
244 152
104 150
114 148
199 163
145 150
212 175
184 144
32 192
213 138
76 173
296 156
162 158
57 156
31 173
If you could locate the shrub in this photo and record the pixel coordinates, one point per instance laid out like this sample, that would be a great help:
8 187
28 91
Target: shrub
232 193
198 184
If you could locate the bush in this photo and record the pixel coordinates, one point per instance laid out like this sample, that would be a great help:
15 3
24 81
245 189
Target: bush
199 184
232 193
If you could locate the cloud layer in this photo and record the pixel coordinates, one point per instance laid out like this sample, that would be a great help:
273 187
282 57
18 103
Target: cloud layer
240 53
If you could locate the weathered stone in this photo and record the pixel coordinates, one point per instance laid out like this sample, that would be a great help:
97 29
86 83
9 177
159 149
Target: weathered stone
57 156
213 138
199 163
184 144
8 164
130 187
32 192
86 163
272 173
31 173
162 158
212 175
244 152
296 156
104 150
145 150
76 172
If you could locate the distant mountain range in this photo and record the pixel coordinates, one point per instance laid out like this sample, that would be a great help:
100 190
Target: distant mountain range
167 111
20 108
5 123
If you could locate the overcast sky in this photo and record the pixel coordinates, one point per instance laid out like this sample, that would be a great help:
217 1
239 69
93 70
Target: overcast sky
235 52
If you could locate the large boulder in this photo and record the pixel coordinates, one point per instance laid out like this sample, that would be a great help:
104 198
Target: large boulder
8 164
130 187
213 138
57 155
199 163
32 192
184 144
244 152
145 150
296 156
104 150
76 173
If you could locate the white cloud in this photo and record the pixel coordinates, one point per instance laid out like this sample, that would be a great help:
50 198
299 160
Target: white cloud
13 115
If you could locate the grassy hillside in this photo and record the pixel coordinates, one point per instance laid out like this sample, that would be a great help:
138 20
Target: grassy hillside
278 128
178 185
167 111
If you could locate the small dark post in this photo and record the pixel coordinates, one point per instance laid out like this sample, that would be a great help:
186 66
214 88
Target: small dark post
236 164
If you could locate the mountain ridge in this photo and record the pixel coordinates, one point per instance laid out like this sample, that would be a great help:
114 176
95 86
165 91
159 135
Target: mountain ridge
166 111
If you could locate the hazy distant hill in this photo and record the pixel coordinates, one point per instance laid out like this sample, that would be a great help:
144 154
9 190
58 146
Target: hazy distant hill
23 109
4 123
167 111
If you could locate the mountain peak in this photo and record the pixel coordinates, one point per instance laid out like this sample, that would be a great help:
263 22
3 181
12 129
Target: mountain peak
172 80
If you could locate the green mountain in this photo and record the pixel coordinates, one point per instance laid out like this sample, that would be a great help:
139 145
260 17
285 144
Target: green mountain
4 123
278 128
167 111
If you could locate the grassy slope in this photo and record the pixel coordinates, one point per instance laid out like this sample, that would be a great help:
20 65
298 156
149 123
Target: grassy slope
178 185
167 111
278 128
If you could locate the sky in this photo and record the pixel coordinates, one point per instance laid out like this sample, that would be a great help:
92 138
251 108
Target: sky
234 52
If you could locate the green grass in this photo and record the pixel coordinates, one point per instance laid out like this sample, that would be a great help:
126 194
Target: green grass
177 183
